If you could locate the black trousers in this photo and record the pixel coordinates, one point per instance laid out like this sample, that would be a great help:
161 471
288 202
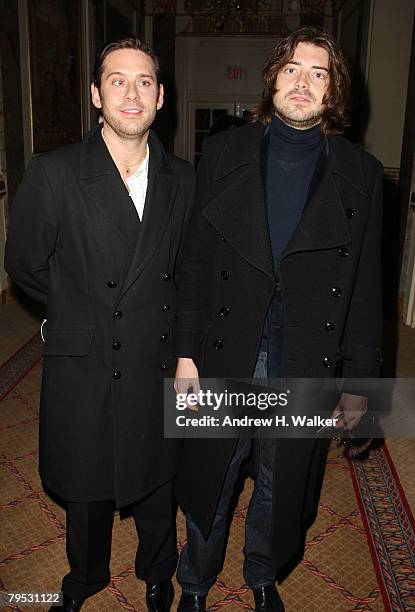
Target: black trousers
89 534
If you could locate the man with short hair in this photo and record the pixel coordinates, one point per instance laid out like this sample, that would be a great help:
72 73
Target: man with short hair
95 234
280 278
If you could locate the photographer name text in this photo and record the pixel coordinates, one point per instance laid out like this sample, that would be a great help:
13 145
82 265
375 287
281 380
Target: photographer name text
245 421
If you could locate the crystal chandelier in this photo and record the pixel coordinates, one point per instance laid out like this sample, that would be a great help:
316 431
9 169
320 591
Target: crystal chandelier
219 10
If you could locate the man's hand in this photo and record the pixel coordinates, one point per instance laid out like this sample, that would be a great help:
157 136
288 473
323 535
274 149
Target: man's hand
187 378
349 410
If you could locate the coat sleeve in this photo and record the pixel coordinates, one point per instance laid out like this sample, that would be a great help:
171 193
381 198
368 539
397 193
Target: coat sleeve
194 272
32 233
363 335
189 189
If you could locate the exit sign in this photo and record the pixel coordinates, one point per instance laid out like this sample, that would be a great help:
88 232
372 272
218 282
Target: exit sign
235 73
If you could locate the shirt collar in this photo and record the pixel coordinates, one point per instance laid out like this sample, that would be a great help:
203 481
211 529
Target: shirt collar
143 167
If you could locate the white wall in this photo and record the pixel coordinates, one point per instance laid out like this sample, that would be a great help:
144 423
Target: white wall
201 76
387 72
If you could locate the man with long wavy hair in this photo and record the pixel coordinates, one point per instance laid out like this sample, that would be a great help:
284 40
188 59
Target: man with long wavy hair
280 278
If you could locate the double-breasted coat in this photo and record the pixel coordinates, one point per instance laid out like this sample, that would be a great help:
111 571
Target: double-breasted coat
76 243
329 279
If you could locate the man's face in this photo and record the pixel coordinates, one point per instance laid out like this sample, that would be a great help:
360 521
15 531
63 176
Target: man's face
129 95
301 85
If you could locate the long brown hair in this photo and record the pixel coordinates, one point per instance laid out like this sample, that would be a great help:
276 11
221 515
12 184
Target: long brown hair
334 118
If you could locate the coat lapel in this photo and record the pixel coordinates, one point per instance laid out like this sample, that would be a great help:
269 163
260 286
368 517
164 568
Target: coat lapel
323 224
103 184
161 191
237 209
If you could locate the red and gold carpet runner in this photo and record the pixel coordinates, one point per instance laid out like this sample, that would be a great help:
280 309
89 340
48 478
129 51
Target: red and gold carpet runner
360 553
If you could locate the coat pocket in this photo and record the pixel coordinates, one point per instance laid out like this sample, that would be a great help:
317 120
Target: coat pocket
363 357
67 342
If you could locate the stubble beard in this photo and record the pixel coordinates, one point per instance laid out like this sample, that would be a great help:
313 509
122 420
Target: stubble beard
123 129
299 120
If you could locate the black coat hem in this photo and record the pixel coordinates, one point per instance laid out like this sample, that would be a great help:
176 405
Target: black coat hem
96 498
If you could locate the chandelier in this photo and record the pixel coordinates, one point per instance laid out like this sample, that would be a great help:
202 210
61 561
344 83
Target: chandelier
219 10
245 16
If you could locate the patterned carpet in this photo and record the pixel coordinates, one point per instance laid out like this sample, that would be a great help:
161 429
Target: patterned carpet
360 553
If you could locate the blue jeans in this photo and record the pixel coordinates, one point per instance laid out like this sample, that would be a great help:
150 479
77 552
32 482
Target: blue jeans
202 560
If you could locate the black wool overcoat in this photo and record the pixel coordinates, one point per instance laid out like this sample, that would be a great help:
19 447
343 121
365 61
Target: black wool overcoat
76 243
331 294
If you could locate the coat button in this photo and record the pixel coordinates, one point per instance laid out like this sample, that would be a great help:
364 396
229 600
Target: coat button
327 363
166 276
163 366
117 314
165 307
222 237
116 374
329 327
336 291
343 252
224 311
350 213
218 344
116 345
111 284
225 275
164 337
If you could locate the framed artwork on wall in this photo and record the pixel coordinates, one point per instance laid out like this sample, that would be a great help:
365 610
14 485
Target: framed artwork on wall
51 73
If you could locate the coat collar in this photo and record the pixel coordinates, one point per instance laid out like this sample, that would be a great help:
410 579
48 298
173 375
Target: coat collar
244 147
238 210
323 224
345 160
161 192
104 185
96 160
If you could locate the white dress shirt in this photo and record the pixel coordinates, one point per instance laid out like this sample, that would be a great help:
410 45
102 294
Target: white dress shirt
137 185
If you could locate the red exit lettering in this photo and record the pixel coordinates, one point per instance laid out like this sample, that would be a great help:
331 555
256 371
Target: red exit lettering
235 73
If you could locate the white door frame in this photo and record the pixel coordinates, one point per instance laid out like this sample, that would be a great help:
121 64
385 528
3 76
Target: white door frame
202 77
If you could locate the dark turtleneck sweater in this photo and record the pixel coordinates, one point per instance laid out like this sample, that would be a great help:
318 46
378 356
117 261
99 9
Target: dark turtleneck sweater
291 160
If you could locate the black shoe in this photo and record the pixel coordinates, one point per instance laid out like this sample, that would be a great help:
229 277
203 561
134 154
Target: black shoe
192 603
267 599
159 597
69 605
